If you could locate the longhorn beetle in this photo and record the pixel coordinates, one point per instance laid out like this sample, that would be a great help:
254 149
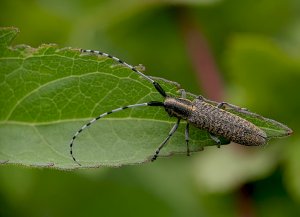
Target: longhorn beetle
199 112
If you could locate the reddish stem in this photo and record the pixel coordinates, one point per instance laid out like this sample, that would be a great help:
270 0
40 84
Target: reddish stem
198 50
244 202
209 79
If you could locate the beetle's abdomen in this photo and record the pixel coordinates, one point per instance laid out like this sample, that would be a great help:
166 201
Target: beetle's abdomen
225 124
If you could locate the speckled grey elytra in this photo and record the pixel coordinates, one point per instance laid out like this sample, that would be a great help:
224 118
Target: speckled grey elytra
215 120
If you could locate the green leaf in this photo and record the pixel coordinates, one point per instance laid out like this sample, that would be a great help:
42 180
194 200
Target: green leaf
48 93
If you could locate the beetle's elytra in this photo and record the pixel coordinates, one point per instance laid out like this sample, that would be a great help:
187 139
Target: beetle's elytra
199 112
215 120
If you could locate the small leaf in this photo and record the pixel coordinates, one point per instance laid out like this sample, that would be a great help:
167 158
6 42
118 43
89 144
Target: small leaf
48 93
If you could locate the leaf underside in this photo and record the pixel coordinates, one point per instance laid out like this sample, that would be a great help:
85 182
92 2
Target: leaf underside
48 93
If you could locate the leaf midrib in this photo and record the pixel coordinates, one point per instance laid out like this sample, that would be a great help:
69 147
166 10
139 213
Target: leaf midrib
62 79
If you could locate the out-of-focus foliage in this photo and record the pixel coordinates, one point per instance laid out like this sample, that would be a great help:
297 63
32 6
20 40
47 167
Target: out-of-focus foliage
256 47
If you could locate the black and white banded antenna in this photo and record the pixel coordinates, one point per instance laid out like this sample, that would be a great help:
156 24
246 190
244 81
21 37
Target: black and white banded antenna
152 103
155 84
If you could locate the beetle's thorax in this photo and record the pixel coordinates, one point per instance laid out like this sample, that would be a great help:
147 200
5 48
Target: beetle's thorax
178 107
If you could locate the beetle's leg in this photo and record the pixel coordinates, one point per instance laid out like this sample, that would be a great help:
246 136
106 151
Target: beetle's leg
173 130
187 139
225 104
216 139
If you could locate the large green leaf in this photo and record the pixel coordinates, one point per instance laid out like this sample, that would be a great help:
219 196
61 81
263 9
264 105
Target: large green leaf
48 93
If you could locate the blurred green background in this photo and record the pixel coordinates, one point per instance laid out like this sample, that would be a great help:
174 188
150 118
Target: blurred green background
244 52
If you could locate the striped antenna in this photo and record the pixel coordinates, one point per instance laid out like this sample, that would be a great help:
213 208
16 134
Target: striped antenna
152 103
155 84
